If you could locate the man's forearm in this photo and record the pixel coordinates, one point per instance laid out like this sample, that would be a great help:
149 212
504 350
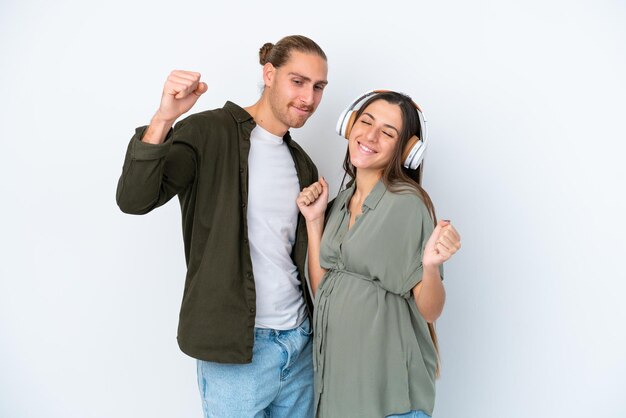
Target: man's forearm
157 130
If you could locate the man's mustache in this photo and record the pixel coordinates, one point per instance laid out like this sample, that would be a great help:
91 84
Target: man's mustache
301 107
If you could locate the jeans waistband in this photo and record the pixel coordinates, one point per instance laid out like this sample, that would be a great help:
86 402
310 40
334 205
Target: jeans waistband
259 332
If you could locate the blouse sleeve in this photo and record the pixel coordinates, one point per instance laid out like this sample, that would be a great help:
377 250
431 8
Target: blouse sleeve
422 225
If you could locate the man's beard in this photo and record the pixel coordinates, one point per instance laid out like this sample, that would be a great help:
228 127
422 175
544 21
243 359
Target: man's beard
299 120
285 114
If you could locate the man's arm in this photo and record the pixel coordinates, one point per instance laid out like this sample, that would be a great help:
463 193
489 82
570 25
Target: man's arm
157 168
153 174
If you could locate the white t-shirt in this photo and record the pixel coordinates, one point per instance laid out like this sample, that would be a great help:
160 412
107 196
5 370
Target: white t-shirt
272 219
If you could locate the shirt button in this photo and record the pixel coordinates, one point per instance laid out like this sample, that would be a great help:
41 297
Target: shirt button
249 275
245 240
241 170
243 205
251 310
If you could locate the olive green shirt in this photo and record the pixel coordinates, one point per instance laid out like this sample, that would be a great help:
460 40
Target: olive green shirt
373 353
204 160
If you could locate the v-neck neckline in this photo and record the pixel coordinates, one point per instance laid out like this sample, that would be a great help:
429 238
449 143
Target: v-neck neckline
369 203
356 216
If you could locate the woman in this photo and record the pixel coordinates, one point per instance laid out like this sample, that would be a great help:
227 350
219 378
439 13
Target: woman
376 272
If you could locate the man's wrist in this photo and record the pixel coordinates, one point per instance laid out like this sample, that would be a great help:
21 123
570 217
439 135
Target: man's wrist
157 130
158 119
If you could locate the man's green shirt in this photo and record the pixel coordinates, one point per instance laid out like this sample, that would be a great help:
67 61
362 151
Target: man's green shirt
204 160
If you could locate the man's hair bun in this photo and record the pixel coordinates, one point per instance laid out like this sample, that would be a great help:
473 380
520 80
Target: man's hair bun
264 52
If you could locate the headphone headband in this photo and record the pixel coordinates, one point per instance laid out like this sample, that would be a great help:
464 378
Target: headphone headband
414 153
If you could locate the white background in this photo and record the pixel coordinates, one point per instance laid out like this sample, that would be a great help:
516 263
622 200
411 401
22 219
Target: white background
525 106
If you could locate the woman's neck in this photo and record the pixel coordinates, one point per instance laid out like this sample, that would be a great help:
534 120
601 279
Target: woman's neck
365 182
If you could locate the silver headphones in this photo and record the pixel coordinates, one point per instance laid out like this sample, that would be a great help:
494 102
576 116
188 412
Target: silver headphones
413 152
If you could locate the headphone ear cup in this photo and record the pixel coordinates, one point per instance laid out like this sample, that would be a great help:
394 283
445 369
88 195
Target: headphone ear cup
341 122
350 124
419 157
408 147
414 155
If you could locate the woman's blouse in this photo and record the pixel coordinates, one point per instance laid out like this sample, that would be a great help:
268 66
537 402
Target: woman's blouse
373 353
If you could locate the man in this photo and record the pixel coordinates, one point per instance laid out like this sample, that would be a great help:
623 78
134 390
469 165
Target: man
237 173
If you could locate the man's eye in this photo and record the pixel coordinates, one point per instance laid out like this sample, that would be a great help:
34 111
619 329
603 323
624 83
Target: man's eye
366 122
320 88
298 82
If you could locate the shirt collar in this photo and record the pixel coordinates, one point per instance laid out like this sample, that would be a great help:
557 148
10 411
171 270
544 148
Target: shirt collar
372 199
241 116
238 112
266 136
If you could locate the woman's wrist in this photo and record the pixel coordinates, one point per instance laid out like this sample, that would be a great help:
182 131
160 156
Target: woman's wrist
429 268
316 222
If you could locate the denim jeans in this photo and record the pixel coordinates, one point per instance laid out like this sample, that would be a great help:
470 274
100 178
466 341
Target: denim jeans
410 414
277 384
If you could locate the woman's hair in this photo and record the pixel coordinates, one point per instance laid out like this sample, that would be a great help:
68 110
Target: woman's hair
280 53
396 177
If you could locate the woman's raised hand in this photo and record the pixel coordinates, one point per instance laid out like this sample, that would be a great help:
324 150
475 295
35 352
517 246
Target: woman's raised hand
442 244
312 200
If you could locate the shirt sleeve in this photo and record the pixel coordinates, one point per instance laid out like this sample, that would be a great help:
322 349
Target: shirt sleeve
153 173
421 226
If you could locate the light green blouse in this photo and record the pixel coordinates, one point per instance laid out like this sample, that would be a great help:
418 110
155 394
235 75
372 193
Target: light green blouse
373 352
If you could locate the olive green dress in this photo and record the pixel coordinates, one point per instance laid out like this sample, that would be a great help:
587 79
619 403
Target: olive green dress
373 352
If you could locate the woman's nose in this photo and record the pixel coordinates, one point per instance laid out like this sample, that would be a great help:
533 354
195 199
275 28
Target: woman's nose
371 134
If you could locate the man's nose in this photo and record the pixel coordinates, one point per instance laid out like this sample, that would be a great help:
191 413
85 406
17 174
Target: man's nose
306 96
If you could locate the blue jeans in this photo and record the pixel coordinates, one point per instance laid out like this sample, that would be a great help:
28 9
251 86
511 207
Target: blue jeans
277 384
410 414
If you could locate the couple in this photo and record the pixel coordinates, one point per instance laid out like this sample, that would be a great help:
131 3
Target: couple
374 255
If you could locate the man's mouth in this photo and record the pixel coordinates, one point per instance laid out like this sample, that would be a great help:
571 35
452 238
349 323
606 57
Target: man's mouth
303 110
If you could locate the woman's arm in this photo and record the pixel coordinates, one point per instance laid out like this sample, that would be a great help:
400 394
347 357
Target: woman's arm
312 202
429 294
316 272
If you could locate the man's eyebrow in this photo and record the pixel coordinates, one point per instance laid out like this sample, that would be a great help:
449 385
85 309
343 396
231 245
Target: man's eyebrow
386 124
305 78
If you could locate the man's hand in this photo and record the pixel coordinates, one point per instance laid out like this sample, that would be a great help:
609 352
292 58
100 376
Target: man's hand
180 92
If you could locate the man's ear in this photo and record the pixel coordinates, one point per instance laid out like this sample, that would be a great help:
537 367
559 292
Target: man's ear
269 73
